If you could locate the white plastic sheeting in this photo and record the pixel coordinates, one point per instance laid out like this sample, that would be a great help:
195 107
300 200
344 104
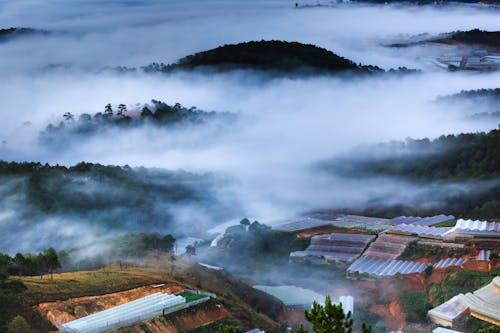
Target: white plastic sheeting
420 230
379 267
448 312
475 228
484 303
302 224
425 221
335 247
483 255
449 262
127 314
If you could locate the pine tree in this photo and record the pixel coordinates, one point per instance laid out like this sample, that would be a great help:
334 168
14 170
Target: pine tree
329 318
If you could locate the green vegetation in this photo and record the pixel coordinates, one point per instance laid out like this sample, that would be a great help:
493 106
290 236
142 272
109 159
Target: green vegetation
364 315
447 159
473 324
10 299
450 157
415 305
415 250
30 264
490 329
329 318
455 283
276 56
450 223
18 325
108 197
190 297
259 246
220 326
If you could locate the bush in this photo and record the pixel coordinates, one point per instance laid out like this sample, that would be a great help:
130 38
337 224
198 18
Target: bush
415 305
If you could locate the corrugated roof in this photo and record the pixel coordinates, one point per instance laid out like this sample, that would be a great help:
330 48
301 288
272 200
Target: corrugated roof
379 267
420 230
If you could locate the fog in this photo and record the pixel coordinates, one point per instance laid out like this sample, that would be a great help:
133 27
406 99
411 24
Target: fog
285 124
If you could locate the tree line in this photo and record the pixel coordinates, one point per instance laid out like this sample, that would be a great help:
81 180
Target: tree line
42 263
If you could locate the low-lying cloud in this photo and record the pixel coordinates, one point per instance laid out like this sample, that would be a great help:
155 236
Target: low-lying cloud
285 125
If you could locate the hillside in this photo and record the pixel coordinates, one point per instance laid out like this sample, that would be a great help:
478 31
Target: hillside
472 159
247 307
156 113
477 37
104 200
278 56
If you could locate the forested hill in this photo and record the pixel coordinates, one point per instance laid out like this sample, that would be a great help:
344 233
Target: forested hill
101 199
477 37
6 34
279 56
156 113
472 160
451 157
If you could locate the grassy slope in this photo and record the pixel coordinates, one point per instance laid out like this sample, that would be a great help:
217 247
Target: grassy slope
113 279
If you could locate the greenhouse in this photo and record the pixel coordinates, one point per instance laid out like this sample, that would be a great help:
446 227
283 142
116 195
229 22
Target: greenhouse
424 221
448 313
420 230
302 224
449 262
388 246
484 303
474 228
336 247
127 314
379 267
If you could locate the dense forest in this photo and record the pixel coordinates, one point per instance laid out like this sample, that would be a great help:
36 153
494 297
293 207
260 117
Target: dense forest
450 157
479 37
276 56
453 158
157 113
103 200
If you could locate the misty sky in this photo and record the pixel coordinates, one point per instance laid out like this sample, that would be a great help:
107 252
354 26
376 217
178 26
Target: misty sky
285 125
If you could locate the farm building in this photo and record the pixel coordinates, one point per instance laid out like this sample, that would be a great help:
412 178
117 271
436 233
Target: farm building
388 246
419 230
473 229
379 267
449 313
424 221
256 330
483 304
336 247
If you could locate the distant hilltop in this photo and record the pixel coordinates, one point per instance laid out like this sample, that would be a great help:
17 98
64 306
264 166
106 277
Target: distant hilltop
278 56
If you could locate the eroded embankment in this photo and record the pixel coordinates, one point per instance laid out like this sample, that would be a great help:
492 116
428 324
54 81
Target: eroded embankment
60 312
